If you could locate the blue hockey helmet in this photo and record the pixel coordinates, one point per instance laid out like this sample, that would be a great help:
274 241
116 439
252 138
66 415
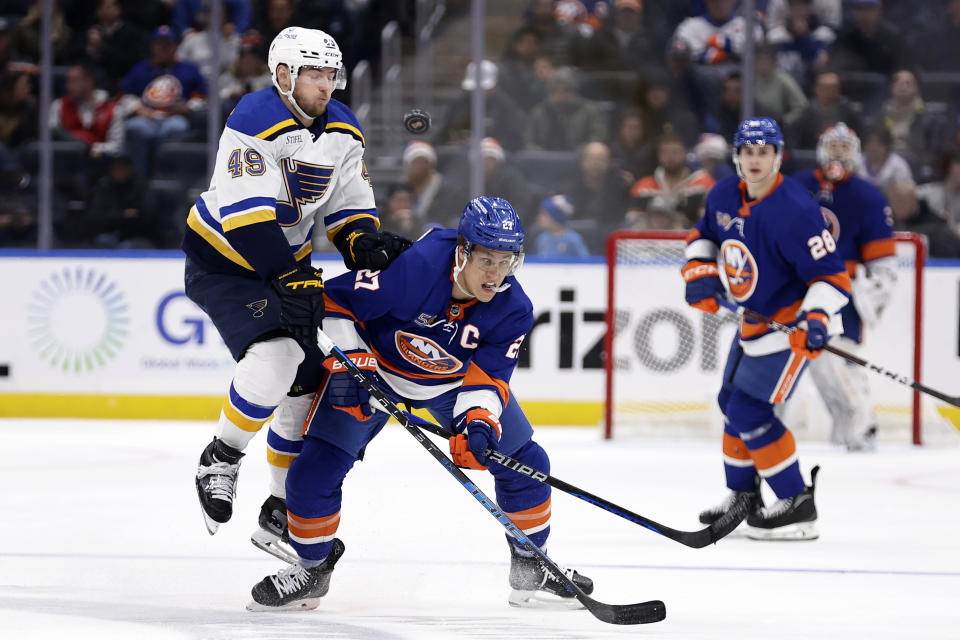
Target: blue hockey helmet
758 131
492 223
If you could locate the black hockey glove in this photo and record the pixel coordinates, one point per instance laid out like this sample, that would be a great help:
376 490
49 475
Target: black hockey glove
373 251
301 302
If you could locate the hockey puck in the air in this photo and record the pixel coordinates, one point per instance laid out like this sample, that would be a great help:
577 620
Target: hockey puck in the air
416 121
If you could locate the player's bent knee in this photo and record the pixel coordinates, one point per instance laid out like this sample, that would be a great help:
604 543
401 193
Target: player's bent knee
746 413
266 371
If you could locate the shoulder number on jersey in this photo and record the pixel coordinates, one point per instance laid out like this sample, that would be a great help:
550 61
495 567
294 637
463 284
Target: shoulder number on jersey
367 279
821 245
251 158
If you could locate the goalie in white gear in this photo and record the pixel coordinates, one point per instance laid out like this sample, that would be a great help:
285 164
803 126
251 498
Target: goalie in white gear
862 225
290 159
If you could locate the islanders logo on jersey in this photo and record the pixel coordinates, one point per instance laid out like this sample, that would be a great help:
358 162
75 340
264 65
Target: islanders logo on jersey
833 223
739 268
426 354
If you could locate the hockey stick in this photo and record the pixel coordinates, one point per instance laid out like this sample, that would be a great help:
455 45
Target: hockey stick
696 539
899 378
639 613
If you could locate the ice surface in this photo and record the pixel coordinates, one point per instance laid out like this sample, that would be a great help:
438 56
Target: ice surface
102 537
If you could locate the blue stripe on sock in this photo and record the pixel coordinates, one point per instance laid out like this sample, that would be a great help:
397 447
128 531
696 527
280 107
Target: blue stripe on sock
279 443
247 408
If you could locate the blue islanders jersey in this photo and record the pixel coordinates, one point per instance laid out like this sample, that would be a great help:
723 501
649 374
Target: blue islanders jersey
860 221
273 181
425 342
775 255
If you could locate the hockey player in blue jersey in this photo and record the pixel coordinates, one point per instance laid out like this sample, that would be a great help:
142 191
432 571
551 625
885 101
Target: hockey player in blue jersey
861 222
763 236
441 330
290 158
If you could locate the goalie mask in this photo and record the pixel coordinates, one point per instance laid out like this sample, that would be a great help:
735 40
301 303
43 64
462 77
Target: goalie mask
758 131
838 152
297 48
491 223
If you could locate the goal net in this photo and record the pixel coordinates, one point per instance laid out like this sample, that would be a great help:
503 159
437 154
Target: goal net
665 359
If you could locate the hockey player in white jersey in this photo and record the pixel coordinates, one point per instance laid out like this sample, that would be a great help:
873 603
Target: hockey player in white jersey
290 158
862 225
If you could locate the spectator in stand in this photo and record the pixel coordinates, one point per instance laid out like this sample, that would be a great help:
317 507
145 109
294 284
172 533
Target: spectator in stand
185 14
868 42
248 74
399 217
559 40
944 197
501 114
517 77
10 58
87 114
160 92
18 109
691 87
116 216
114 44
881 165
564 121
683 190
939 48
713 156
434 199
28 38
716 36
775 92
503 181
600 196
913 214
630 152
663 113
801 33
557 239
195 45
657 214
625 42
726 117
827 108
917 133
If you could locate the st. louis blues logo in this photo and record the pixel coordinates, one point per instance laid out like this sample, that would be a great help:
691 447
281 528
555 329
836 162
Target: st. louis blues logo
426 354
739 268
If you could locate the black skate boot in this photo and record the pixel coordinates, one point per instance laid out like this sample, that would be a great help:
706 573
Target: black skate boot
273 536
217 482
294 587
791 518
530 581
711 515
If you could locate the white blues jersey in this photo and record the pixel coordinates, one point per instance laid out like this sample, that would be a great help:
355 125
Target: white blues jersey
274 180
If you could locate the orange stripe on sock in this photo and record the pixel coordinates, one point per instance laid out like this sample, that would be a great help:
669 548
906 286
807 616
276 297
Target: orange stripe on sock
774 453
733 447
313 527
530 518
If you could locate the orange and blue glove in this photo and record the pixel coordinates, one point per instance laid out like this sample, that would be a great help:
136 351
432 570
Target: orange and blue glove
343 391
480 430
703 285
812 333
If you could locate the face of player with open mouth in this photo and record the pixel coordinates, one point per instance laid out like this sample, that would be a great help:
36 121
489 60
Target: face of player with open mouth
484 272
756 163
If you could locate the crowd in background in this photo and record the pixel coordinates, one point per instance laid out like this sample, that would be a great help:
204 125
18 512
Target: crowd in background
599 114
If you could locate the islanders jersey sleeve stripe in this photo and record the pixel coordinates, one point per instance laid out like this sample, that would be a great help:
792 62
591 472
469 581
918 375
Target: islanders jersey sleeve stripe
347 128
209 229
786 315
477 379
876 249
334 309
278 129
245 218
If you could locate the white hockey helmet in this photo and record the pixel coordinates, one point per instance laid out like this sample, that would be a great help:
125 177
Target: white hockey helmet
297 47
838 151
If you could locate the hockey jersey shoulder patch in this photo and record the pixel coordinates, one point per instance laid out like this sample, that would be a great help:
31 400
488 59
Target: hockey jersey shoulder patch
263 115
340 119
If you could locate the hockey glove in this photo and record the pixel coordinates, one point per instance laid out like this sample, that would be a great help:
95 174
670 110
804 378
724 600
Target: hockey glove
373 251
703 285
301 302
482 432
343 391
811 334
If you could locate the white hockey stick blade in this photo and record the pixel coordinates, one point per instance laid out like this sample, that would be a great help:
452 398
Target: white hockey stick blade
266 541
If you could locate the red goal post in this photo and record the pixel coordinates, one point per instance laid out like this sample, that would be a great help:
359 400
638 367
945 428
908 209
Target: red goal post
663 359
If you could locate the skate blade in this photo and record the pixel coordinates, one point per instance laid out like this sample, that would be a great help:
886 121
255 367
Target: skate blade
541 600
791 533
211 524
308 604
266 541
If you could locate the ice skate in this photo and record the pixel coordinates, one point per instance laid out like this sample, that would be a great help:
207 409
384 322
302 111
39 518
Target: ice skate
534 587
864 443
793 518
217 482
711 515
272 535
296 588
